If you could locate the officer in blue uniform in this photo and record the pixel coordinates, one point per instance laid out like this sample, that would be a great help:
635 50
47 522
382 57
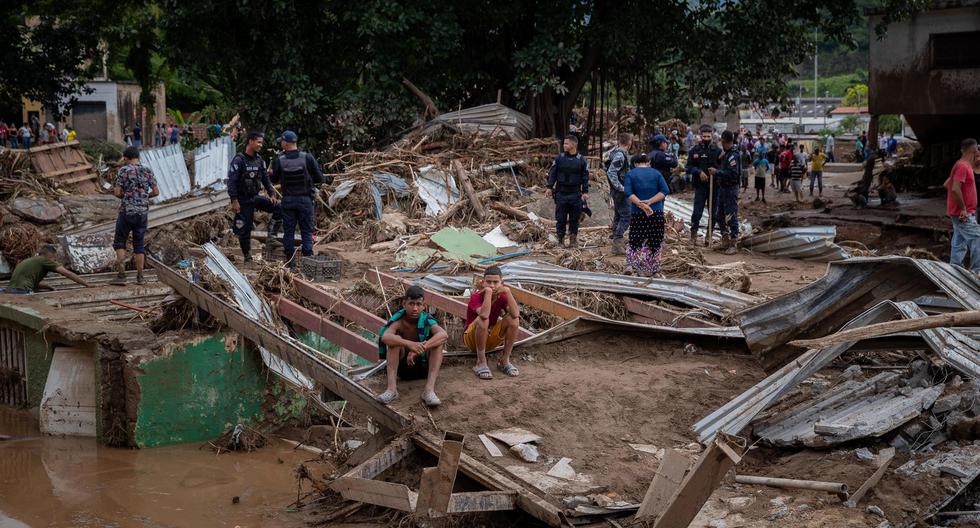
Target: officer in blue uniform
702 157
247 177
619 165
568 182
300 176
727 177
663 159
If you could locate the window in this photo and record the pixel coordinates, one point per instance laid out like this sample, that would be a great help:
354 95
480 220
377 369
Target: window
955 50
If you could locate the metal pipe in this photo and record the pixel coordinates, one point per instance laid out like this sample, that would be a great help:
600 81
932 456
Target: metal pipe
815 485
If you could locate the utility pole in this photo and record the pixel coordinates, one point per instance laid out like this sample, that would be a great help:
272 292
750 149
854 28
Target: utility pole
816 53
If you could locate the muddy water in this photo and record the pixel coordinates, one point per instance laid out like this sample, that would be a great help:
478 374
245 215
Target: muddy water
73 482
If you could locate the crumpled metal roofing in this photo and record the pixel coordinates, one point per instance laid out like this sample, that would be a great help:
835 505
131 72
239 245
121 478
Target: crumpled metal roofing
490 118
170 171
850 287
211 161
956 349
807 243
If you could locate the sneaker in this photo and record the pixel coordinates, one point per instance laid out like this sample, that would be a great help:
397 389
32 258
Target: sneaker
120 279
431 399
731 250
388 396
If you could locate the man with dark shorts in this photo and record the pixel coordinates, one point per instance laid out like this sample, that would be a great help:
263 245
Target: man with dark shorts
29 273
135 185
492 318
412 342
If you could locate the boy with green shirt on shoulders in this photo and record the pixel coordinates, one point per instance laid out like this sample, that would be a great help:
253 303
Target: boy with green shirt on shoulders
412 342
30 272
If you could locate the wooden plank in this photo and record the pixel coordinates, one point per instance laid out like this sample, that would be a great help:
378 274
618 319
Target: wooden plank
482 501
368 449
664 484
49 146
378 492
664 316
549 305
388 456
696 487
491 447
885 456
437 483
337 334
527 500
305 361
337 305
464 180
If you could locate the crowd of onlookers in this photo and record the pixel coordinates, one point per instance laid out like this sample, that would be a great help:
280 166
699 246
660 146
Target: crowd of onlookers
163 134
32 134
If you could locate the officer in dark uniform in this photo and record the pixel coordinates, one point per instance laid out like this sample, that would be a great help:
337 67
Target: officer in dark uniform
568 182
299 175
727 177
247 177
702 157
663 159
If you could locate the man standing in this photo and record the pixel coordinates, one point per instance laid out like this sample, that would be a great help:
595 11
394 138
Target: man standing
700 159
816 169
25 137
247 177
299 174
662 159
616 173
785 160
412 343
137 136
29 273
961 206
135 185
829 144
492 319
568 182
727 178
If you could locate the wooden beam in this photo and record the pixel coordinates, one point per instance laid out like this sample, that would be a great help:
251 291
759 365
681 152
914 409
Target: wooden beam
60 144
482 501
664 316
378 492
368 449
337 334
696 487
549 305
437 482
464 180
388 456
337 305
967 318
885 457
304 360
664 485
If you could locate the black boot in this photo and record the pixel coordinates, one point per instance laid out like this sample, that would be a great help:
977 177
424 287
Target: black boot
246 244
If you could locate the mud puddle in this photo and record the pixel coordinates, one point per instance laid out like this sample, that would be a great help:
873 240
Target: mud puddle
74 482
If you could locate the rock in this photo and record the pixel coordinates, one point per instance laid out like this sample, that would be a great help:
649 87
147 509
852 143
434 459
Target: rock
913 430
864 454
738 503
954 469
353 444
900 443
37 210
852 372
525 452
781 500
778 513
718 523
562 469
874 510
947 402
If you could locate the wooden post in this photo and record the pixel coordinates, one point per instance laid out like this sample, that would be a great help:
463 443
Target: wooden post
698 485
885 458
464 180
437 482
664 484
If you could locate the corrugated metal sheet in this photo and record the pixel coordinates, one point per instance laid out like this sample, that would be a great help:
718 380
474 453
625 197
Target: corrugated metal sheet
211 161
163 214
683 209
958 350
807 243
167 164
493 118
850 287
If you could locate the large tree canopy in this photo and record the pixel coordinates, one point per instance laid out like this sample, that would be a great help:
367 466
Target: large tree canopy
333 70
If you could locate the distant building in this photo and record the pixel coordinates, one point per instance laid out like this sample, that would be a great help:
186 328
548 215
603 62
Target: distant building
927 68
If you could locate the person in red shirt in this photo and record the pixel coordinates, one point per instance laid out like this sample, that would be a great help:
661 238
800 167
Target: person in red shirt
961 206
785 160
492 318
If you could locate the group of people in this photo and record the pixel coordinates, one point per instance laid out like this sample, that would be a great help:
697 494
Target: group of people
887 147
32 134
163 134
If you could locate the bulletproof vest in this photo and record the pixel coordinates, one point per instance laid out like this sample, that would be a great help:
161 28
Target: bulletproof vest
295 176
729 176
568 171
660 160
250 176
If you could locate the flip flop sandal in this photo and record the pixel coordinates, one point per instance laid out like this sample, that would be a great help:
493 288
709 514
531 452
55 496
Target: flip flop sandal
510 370
483 373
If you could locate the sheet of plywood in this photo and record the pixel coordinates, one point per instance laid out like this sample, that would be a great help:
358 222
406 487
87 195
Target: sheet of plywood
68 403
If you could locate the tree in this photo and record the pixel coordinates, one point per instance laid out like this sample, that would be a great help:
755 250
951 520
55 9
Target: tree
856 95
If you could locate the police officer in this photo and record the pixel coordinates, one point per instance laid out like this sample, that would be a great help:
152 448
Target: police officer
700 158
727 177
568 182
663 159
299 176
619 165
247 177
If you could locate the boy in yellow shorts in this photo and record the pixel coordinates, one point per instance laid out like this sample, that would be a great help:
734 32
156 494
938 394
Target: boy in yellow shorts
492 318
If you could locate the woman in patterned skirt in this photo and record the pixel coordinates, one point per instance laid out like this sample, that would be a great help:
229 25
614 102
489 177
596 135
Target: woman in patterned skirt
646 190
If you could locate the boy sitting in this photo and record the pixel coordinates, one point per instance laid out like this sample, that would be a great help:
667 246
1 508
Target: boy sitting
492 317
412 342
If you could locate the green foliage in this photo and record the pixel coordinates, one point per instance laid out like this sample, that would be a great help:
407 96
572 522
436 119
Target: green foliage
856 95
890 124
849 124
106 150
835 86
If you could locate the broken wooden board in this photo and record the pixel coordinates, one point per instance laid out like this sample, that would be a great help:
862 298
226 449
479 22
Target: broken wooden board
66 164
651 313
482 501
513 436
490 446
378 492
699 483
378 463
664 484
437 483
885 458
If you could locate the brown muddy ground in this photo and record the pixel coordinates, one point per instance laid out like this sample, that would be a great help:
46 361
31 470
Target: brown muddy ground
72 482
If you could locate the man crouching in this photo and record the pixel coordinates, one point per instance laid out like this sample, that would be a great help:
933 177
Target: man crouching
412 342
492 318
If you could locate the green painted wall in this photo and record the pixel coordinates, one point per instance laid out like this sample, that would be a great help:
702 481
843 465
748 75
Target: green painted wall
318 342
197 391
